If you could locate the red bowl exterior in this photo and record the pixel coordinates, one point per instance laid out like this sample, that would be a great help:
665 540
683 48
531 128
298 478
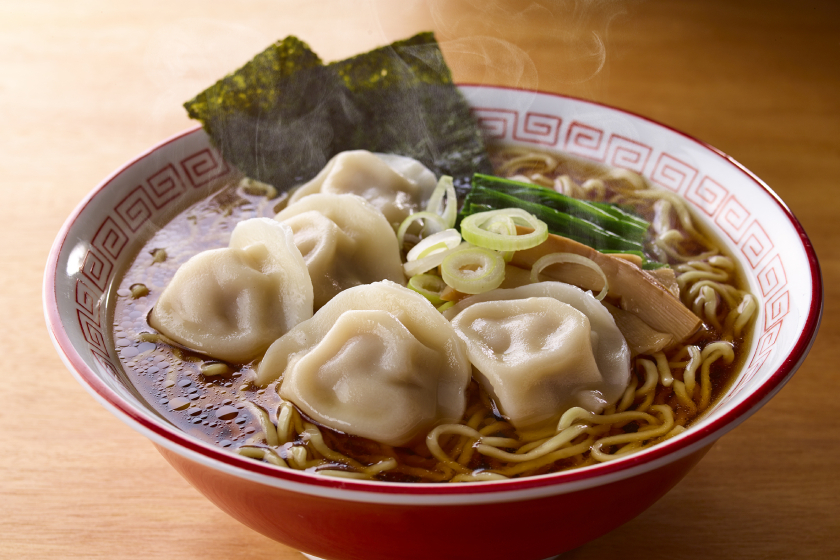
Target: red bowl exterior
347 530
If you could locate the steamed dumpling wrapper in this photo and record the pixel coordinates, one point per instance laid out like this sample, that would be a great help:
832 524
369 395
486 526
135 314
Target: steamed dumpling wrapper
543 348
344 241
395 185
378 361
232 303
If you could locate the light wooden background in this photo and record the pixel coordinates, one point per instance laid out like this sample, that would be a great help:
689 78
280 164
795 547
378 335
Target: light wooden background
87 84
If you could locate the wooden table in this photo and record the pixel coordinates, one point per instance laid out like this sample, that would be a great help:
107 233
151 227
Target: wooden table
86 85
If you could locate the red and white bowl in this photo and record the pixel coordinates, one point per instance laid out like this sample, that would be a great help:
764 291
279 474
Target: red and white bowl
358 520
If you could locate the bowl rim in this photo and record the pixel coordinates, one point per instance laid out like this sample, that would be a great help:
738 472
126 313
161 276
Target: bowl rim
429 493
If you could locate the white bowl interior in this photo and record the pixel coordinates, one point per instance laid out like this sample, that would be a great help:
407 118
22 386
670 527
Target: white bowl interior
118 217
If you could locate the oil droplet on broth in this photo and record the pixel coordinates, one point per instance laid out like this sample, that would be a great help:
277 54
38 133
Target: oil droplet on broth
179 403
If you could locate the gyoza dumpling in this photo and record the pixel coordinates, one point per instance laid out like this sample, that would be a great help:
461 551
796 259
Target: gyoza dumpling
232 303
543 348
396 185
344 241
378 361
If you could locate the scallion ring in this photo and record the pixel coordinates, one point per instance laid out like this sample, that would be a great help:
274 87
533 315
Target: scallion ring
445 187
473 270
558 258
430 286
499 237
440 241
429 219
503 225
426 264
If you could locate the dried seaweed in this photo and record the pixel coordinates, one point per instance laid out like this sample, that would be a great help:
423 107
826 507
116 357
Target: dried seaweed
284 114
271 117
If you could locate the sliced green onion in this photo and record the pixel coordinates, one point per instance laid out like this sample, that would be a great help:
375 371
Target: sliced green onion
474 229
442 240
430 286
558 258
473 270
430 250
501 224
446 306
429 219
426 264
449 213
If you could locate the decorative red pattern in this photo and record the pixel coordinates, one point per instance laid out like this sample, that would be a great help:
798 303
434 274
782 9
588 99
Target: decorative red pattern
495 122
166 185
538 129
204 166
673 174
756 245
586 141
110 239
768 339
756 364
104 362
733 219
96 269
135 208
776 308
87 300
772 277
629 154
91 331
707 195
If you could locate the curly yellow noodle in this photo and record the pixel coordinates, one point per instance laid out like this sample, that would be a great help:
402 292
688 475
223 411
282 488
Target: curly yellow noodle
594 189
478 477
561 439
642 435
694 271
683 397
564 453
343 474
691 368
314 438
263 454
297 421
437 451
746 309
729 293
299 458
540 179
629 395
665 377
651 377
464 449
284 423
711 354
529 160
381 466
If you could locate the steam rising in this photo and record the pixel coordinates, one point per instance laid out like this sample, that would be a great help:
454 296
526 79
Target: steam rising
489 42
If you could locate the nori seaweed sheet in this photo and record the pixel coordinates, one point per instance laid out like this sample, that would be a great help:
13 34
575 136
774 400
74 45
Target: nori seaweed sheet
282 116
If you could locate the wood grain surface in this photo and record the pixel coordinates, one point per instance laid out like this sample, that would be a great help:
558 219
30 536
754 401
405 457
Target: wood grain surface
86 85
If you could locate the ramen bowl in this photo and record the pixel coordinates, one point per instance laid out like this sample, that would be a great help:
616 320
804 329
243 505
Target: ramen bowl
346 519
